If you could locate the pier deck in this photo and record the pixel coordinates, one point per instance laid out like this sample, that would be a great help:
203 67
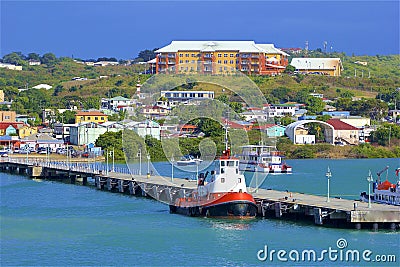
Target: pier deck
271 203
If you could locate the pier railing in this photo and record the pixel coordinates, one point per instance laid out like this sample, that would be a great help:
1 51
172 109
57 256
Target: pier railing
85 167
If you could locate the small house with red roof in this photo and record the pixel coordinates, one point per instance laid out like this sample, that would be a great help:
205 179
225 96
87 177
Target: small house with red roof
243 125
344 132
10 128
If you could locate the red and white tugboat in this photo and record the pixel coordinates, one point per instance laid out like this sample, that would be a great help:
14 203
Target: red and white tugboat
224 195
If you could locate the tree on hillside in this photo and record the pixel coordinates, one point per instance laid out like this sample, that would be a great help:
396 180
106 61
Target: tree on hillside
210 127
282 93
223 98
315 105
67 116
49 59
324 118
13 58
33 56
146 55
113 59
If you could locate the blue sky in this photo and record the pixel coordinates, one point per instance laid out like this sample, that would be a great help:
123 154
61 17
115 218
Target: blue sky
92 29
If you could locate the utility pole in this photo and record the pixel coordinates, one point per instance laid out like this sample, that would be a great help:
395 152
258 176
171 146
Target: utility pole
369 179
328 176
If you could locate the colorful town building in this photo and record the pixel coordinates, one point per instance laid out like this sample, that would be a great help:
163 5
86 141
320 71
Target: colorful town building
90 116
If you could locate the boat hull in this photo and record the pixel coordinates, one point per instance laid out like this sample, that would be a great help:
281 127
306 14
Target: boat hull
228 205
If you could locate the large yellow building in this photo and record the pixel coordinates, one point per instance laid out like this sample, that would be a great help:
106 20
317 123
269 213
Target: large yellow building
90 116
214 57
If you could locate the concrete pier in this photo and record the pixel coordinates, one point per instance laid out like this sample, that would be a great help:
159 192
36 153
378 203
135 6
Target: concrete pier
271 203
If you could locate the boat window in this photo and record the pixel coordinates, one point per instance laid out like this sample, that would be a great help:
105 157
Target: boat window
239 180
222 180
237 163
230 163
222 170
222 163
237 171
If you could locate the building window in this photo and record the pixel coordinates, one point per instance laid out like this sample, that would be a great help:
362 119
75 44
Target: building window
181 55
225 68
181 61
231 62
192 61
102 118
186 61
219 61
96 118
225 61
88 118
186 55
193 55
231 55
219 55
225 55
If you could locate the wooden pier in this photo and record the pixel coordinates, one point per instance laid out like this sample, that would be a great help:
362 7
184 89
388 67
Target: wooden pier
336 212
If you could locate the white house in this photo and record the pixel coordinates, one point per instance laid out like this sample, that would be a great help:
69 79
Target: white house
147 127
116 103
280 110
42 86
86 133
184 96
10 66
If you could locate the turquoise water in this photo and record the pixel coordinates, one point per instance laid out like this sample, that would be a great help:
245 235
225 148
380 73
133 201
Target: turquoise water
51 223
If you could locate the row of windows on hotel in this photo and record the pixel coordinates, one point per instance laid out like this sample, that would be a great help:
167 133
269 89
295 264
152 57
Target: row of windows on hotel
219 61
210 55
209 69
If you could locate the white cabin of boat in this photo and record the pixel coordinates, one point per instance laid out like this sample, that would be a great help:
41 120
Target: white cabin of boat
225 178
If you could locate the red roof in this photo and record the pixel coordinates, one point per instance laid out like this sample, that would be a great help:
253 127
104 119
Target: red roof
254 108
90 113
340 125
189 126
263 127
16 125
235 125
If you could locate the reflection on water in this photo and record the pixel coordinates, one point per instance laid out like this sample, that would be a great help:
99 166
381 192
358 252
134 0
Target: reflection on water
230 224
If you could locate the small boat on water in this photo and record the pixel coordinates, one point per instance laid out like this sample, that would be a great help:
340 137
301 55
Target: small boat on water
384 192
260 158
188 160
224 195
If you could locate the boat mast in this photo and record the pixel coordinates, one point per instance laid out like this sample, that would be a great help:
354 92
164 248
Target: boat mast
226 131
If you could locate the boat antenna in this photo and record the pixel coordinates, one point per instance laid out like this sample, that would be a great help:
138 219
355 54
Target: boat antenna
226 132
380 172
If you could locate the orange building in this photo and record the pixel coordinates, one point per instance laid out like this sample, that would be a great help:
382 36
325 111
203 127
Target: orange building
218 57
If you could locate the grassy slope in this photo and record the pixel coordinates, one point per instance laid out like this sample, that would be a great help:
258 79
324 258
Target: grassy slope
122 80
